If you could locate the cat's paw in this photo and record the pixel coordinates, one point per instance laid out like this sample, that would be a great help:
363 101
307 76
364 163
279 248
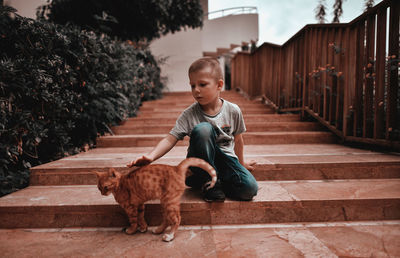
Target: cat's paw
159 229
130 230
142 229
168 237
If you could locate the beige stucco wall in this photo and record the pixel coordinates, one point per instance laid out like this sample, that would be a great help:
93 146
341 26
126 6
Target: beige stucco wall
183 47
26 8
232 29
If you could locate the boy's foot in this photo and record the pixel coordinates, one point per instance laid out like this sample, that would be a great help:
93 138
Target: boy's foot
194 182
214 194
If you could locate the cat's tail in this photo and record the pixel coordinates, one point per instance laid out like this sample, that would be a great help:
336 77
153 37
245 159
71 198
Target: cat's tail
196 162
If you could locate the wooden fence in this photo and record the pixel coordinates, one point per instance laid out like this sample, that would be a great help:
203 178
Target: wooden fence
344 75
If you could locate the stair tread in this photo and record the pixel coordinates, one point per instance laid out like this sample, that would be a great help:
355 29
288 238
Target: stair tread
247 133
285 154
277 191
333 239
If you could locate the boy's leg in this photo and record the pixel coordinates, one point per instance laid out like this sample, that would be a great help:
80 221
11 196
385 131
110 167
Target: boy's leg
237 182
203 146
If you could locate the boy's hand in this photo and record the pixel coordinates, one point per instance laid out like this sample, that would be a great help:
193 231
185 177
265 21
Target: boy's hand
142 161
250 165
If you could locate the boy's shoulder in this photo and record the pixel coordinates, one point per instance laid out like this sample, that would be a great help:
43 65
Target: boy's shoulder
232 107
194 106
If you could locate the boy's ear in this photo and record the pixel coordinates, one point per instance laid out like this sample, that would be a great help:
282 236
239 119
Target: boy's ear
220 84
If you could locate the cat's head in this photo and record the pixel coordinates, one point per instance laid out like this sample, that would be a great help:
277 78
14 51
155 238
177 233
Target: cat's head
108 182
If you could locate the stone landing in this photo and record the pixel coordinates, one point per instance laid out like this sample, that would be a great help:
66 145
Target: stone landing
334 239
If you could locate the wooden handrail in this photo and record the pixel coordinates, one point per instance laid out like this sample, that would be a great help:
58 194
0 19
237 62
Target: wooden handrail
344 75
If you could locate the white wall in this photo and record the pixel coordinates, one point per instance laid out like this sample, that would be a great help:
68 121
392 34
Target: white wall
26 8
184 47
232 29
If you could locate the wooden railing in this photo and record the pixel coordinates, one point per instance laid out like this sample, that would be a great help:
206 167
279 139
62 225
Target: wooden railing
344 75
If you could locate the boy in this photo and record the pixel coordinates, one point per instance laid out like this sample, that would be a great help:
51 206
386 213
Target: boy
215 127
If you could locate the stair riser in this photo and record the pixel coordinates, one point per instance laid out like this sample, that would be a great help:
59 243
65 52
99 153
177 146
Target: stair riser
134 141
185 103
204 213
172 113
287 127
84 176
163 120
244 108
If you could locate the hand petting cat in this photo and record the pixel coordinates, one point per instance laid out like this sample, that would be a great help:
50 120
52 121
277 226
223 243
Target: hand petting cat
140 162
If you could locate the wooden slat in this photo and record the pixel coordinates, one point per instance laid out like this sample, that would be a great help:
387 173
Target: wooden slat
349 77
392 116
331 90
380 75
304 75
368 123
340 84
324 75
358 108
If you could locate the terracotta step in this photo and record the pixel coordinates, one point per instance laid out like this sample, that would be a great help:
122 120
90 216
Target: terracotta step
276 202
145 140
177 111
186 101
189 93
330 239
160 119
284 162
251 127
163 109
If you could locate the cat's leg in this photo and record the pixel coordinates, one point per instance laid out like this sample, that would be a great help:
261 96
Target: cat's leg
132 212
162 226
173 218
141 221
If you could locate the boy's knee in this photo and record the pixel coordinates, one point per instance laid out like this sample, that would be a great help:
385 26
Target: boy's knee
202 131
246 191
249 191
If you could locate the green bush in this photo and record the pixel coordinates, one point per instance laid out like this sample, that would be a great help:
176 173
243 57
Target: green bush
60 88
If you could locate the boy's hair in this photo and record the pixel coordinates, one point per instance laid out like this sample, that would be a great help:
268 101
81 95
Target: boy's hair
207 62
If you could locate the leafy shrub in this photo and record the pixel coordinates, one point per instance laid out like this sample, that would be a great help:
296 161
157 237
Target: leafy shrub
60 88
134 19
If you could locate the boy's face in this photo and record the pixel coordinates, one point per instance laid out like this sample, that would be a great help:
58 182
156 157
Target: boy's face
205 87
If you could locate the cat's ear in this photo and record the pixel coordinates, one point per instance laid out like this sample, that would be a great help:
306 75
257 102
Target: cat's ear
98 174
115 173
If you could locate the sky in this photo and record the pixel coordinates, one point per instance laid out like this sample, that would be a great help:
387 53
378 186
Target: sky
279 20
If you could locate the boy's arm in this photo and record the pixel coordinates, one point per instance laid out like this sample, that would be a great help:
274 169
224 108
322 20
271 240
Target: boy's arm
163 146
239 152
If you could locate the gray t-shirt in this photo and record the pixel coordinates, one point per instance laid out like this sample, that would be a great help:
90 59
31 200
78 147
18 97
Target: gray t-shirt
227 123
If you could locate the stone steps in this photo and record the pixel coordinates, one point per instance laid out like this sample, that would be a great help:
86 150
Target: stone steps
256 118
288 164
303 174
276 202
175 112
251 127
144 140
331 239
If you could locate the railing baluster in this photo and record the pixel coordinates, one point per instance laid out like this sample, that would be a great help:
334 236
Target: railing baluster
380 75
392 123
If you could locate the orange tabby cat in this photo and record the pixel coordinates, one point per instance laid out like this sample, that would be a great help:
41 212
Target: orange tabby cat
155 181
